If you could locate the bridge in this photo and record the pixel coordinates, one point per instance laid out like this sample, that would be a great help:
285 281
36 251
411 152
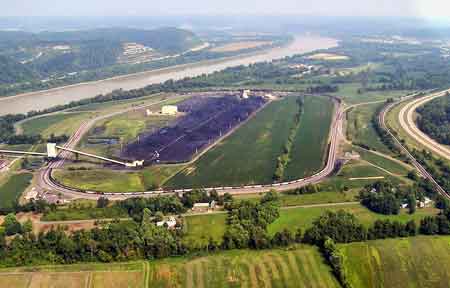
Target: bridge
54 150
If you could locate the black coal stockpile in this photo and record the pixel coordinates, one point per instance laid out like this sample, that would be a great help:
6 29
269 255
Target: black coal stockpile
206 119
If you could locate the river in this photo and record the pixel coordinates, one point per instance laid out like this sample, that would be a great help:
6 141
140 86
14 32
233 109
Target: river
45 99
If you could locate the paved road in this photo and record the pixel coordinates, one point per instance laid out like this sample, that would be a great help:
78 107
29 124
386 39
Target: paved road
416 164
407 122
336 134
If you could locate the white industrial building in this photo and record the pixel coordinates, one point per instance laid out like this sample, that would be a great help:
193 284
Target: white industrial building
169 110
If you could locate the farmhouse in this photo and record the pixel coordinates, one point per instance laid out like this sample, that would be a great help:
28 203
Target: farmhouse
171 223
169 110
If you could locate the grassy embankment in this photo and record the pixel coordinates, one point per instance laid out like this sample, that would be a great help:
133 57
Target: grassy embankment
12 187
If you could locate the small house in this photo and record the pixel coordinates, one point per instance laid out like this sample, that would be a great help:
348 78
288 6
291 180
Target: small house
171 223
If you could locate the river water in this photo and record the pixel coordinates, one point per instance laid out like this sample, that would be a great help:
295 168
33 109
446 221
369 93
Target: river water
48 98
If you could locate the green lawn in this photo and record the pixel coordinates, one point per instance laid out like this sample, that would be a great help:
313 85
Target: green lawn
248 156
410 262
310 145
294 218
301 266
14 186
360 129
101 180
197 235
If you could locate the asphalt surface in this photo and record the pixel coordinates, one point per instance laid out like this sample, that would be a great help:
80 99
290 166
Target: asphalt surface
46 182
406 120
414 162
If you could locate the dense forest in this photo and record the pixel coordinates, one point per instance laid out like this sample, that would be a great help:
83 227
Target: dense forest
434 119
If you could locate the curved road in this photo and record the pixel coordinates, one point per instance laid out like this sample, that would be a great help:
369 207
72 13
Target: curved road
416 164
46 182
407 122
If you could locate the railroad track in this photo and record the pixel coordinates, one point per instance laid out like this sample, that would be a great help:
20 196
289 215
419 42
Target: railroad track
48 183
415 163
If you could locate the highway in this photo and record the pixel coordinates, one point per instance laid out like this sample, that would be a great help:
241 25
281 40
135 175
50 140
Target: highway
46 182
406 120
415 163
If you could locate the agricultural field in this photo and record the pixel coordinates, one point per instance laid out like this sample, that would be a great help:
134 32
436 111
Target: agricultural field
309 150
360 129
302 266
411 262
112 275
12 188
270 129
261 139
243 45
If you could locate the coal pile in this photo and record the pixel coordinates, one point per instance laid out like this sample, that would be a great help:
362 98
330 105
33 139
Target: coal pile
205 120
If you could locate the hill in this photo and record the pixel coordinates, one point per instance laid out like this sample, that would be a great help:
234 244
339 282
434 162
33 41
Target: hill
56 55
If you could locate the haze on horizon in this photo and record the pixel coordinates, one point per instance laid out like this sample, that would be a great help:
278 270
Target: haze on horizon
427 9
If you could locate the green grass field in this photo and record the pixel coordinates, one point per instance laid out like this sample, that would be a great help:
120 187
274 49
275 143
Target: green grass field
383 162
360 129
197 235
410 262
349 92
299 267
59 124
311 141
14 186
200 228
294 218
248 156
104 180
101 180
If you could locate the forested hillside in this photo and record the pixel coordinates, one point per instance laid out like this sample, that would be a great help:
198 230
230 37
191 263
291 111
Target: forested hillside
30 57
12 71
